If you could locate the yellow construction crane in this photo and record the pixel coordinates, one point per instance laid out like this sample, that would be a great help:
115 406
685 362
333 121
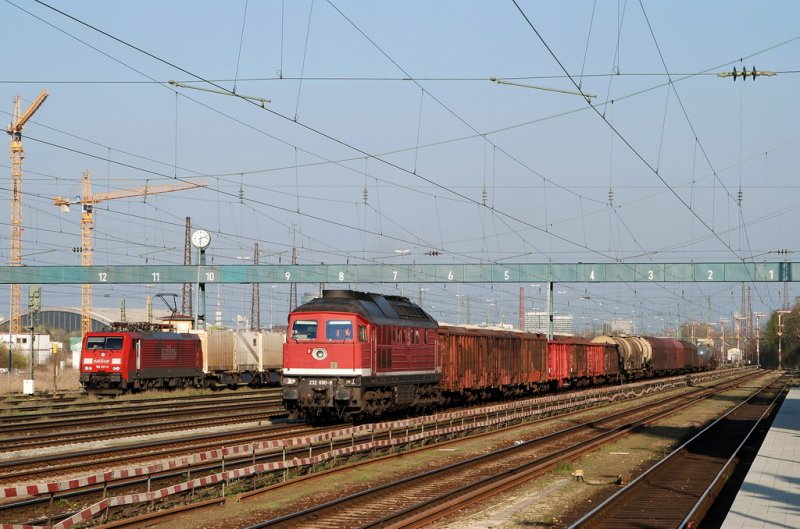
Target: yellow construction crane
88 201
14 130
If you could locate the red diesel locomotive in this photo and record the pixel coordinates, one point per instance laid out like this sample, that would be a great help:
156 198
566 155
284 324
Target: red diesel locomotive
354 354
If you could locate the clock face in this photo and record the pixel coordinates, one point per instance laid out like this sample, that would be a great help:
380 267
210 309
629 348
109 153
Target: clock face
201 238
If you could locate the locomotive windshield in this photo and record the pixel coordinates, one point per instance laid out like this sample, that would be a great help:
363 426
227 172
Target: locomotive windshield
111 343
339 330
304 330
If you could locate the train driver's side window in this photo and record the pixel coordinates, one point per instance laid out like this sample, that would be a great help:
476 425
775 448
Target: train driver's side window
304 330
339 330
362 333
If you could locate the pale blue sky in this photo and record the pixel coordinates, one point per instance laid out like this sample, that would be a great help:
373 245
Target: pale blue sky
429 150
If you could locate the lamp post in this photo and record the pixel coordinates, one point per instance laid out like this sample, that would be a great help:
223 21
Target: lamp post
722 322
421 291
271 295
758 338
780 334
739 320
242 259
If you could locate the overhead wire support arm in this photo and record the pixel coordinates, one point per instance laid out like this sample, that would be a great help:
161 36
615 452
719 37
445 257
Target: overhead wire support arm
523 85
261 100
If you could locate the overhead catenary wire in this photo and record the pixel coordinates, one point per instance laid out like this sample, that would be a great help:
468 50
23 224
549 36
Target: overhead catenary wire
625 140
432 195
312 129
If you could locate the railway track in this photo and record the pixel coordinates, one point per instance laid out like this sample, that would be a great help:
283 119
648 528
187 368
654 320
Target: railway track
415 501
86 464
680 489
60 464
353 516
26 508
65 396
72 432
21 410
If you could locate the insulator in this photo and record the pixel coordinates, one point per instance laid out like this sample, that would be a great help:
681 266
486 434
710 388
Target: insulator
365 194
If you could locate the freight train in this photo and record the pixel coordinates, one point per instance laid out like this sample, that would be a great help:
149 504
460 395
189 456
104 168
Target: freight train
136 357
353 355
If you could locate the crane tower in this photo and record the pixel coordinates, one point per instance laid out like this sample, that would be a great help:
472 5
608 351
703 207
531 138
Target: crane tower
14 130
88 201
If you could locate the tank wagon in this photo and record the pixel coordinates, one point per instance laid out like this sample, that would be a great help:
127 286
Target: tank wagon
356 355
136 357
646 357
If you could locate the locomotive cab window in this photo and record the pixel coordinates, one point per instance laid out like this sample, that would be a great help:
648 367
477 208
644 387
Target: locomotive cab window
362 333
95 342
339 330
109 343
304 330
114 343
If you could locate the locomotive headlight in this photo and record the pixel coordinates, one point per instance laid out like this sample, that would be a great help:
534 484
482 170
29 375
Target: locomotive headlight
289 381
319 353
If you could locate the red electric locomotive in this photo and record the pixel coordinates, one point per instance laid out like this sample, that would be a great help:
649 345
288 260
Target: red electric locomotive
117 361
351 353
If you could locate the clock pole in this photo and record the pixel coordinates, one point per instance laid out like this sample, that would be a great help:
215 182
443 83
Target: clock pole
201 239
201 293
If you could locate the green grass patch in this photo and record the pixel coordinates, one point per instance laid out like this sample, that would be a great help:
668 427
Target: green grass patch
564 467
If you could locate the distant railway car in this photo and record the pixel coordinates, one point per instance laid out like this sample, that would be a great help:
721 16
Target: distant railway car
576 362
705 357
635 354
485 363
351 353
242 357
646 356
140 356
118 361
